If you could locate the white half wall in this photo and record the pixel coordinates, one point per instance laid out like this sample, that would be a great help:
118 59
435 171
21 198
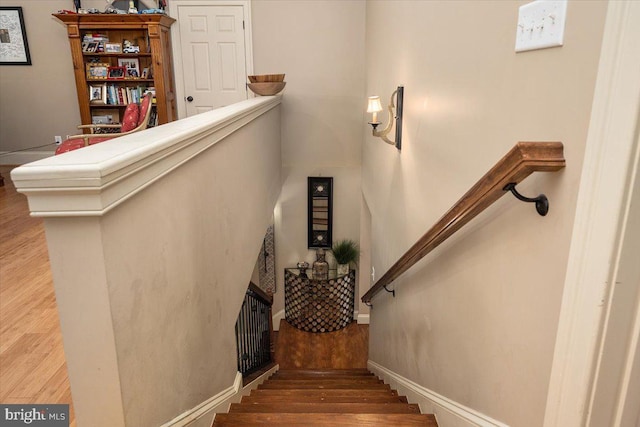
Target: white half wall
148 238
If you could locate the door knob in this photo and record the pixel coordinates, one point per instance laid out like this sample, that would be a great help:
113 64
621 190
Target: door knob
189 98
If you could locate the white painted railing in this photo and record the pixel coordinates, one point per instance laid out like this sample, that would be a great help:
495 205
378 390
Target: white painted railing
152 240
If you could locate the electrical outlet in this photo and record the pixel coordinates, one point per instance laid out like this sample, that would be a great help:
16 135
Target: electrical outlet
58 139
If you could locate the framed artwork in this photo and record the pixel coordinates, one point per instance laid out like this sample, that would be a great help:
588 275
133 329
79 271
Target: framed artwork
98 94
112 48
320 212
14 49
132 67
116 73
97 71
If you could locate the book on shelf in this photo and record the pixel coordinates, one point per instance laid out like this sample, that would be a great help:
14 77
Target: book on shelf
123 95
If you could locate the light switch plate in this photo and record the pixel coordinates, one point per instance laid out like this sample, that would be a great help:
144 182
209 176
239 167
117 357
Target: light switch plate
541 25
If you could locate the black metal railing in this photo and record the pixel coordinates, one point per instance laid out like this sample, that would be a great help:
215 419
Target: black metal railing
253 331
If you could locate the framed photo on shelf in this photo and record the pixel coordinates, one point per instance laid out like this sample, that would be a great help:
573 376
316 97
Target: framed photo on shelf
116 73
89 47
145 73
97 71
106 119
112 48
14 49
98 94
132 67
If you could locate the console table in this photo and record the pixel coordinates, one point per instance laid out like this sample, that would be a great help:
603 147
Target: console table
319 305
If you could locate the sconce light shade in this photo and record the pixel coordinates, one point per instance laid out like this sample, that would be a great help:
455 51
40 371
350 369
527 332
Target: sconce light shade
374 105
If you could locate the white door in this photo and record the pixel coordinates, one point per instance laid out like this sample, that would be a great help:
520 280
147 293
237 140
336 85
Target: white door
213 56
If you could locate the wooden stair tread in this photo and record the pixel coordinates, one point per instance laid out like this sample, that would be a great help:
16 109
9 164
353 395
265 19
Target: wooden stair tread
284 377
327 419
324 399
321 372
366 380
322 385
314 397
339 408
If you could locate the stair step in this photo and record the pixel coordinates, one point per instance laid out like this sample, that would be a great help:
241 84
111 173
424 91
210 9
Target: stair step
293 376
324 399
324 372
305 395
335 397
311 419
357 380
324 407
329 385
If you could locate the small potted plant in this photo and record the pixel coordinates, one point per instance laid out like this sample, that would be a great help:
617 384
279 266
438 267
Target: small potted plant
346 252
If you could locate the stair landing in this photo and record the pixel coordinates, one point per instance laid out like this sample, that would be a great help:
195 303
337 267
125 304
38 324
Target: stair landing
346 348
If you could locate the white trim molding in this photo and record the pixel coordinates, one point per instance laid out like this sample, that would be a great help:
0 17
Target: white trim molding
363 319
603 201
220 402
95 179
276 318
447 411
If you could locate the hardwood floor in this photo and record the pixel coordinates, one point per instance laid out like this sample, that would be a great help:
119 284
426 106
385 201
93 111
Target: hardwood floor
347 348
32 362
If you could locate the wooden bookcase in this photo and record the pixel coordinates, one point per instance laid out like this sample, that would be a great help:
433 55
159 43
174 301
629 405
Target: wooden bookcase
151 33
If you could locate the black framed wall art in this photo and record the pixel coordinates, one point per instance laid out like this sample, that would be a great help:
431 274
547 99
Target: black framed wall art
14 48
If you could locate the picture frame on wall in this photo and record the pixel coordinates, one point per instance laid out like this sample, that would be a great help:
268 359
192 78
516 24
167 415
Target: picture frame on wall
14 48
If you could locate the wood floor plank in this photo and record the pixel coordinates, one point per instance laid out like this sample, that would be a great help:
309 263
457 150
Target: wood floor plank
32 362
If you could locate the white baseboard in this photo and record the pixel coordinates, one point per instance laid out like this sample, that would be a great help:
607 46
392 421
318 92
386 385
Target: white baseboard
23 157
204 413
447 412
276 320
363 319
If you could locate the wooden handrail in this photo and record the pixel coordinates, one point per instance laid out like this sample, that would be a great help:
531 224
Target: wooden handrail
268 299
520 162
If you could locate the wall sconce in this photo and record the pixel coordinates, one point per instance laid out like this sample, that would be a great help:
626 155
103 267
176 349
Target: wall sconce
375 107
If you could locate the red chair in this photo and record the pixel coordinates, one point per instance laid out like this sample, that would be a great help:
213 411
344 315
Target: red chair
135 118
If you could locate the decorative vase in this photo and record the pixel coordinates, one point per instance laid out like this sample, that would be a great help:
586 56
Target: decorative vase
302 266
320 266
342 269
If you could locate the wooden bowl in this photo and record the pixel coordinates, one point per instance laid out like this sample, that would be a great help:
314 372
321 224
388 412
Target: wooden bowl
267 88
263 78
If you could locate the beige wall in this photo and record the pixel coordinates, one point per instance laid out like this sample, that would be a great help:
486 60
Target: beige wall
320 47
39 101
150 291
476 321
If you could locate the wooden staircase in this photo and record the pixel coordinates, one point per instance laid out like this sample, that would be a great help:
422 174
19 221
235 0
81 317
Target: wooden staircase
327 397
